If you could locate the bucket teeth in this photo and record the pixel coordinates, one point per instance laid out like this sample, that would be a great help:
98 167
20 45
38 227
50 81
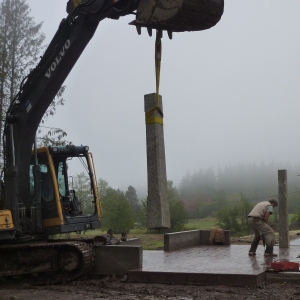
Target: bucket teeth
170 34
139 29
149 31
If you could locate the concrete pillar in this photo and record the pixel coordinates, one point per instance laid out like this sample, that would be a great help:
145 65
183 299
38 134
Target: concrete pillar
158 200
284 241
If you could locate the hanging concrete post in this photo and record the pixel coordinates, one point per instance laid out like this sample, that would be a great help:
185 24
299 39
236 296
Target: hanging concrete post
158 200
284 241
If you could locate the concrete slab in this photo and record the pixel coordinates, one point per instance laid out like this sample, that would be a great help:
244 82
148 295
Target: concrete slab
213 264
283 277
117 259
197 278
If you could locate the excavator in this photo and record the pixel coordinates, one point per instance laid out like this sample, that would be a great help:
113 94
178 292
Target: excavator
38 199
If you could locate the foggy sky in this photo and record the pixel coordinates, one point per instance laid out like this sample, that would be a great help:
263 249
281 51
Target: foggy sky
230 94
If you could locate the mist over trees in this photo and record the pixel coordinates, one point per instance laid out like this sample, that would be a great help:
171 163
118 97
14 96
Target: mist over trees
228 195
207 191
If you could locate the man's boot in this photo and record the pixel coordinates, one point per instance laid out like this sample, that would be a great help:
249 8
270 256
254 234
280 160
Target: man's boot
254 246
269 251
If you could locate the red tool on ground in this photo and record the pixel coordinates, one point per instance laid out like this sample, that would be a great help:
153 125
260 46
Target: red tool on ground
285 266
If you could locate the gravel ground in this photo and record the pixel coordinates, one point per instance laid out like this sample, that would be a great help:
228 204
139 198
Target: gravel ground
114 288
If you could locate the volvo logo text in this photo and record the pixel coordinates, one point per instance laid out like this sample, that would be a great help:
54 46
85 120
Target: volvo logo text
58 58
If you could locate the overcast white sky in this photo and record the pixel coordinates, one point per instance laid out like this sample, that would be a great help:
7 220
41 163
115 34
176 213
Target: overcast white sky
230 94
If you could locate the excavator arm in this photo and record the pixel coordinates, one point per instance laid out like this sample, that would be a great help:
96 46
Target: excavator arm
36 94
42 84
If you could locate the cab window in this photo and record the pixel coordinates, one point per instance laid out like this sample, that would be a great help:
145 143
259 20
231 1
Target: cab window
46 181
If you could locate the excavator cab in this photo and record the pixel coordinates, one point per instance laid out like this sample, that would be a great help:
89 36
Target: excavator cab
68 189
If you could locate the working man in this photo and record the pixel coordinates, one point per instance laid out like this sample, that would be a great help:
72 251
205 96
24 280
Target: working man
258 219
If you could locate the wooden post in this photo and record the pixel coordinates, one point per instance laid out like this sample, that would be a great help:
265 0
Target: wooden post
284 241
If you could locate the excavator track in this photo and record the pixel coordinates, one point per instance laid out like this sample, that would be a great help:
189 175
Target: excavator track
41 263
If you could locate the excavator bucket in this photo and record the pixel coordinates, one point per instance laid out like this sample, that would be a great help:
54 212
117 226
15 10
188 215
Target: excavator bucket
179 15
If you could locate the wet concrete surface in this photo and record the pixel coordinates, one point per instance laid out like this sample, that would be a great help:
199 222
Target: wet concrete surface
216 259
211 264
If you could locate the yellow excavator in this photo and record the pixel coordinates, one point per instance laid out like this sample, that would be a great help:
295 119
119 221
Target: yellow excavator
37 196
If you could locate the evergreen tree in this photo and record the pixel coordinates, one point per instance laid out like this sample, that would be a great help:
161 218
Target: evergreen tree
235 217
220 199
178 213
227 219
133 201
82 186
117 213
21 43
103 187
244 207
141 220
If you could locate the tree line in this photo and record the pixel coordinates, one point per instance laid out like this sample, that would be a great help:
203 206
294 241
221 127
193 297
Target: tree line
123 211
207 191
228 195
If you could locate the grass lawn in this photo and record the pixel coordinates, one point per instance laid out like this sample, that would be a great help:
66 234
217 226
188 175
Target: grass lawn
204 224
150 240
154 240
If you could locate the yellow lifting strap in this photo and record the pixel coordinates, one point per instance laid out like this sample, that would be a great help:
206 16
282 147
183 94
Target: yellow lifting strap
158 51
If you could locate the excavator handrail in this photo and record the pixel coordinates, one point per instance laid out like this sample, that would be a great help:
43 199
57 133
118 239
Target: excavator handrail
97 192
